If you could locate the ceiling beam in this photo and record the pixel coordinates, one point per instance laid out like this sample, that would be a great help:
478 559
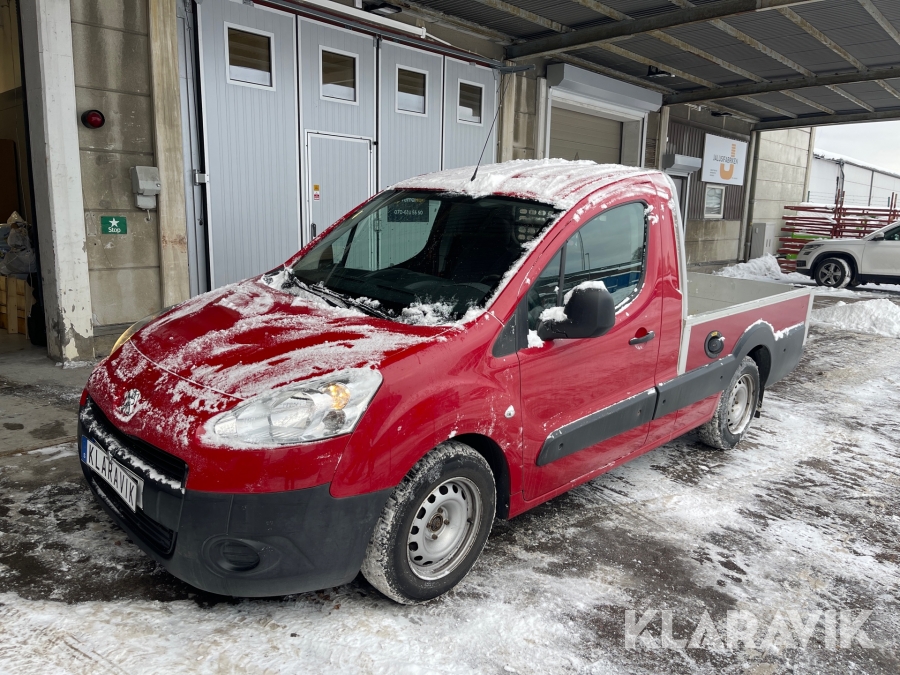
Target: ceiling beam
522 13
589 36
631 79
453 22
890 30
781 85
821 120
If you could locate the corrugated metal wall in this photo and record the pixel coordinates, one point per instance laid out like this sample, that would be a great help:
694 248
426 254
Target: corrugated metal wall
688 140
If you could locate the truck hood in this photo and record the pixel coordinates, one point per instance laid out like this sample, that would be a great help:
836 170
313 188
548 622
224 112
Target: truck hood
249 338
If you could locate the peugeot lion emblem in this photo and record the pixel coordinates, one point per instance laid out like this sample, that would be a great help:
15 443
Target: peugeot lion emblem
129 405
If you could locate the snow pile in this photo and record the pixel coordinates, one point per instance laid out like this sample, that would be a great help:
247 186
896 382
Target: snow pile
760 269
428 313
877 317
560 182
583 286
554 314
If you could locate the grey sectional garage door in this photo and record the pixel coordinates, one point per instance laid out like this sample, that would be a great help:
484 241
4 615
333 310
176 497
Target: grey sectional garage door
587 136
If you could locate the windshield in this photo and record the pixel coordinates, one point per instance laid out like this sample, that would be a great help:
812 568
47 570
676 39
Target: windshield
431 255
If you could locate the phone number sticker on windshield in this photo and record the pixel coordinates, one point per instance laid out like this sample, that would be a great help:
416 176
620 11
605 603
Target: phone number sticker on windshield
408 211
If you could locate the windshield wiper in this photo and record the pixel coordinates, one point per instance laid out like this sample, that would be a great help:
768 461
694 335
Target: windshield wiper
336 299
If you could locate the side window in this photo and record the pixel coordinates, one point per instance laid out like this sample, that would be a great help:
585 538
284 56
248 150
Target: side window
412 88
468 107
611 247
249 57
892 235
338 76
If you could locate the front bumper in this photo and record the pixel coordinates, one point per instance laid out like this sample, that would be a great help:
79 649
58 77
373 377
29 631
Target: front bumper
244 545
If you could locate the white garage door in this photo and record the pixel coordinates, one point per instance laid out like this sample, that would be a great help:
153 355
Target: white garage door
587 136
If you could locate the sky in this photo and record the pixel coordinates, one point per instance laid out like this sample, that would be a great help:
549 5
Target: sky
876 143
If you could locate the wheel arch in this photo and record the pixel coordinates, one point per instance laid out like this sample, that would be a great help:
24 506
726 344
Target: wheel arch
489 449
763 358
843 255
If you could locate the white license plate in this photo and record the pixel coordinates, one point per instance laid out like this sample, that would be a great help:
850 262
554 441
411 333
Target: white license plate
124 482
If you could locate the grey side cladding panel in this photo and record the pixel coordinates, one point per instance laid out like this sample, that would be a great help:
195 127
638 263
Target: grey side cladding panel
598 427
355 118
695 385
252 147
463 141
409 143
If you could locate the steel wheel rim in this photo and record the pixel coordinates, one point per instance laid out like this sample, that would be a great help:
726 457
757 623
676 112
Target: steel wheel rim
830 274
444 528
741 404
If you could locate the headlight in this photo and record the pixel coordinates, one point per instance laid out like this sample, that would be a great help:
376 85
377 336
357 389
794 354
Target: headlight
134 328
308 411
809 247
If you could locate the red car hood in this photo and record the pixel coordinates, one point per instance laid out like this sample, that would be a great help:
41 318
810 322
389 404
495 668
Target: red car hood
248 338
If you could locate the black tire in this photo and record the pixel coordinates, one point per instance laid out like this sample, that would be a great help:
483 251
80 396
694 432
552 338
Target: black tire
728 426
451 480
833 273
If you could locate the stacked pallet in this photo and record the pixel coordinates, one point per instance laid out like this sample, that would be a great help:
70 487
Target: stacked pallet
16 300
823 221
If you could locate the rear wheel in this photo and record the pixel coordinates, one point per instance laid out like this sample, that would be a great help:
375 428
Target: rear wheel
736 408
434 525
833 273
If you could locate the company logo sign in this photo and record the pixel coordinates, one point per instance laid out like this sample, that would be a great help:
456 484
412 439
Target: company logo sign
724 161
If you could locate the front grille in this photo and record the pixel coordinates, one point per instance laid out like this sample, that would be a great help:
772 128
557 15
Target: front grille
159 537
156 535
168 465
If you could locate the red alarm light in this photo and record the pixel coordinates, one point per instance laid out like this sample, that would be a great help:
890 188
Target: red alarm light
93 119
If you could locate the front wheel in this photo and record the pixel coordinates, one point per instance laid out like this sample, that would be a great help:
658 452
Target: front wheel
833 273
434 525
736 408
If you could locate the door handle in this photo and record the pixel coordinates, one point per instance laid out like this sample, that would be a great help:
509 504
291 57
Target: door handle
641 339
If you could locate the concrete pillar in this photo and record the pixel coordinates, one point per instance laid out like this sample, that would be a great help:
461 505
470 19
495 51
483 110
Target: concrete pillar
59 207
507 117
173 247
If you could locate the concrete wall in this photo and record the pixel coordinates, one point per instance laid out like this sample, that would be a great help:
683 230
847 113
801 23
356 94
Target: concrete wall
783 160
112 74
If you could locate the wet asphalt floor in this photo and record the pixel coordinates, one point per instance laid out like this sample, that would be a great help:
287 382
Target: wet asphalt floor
803 517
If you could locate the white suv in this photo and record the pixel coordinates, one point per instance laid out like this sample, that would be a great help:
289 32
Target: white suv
837 263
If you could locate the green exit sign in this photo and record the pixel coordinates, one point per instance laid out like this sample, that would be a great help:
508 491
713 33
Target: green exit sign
113 225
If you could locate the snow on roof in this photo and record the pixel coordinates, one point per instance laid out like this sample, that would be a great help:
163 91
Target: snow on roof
559 182
834 157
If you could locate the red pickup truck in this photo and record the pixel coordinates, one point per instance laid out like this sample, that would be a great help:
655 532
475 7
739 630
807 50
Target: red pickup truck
451 351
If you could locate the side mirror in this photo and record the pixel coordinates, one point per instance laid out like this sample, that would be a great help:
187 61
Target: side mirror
878 237
590 312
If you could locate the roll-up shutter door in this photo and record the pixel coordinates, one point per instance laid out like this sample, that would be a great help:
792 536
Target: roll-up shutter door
587 136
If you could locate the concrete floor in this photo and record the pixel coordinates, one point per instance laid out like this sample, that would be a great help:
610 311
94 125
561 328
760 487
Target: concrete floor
38 398
802 518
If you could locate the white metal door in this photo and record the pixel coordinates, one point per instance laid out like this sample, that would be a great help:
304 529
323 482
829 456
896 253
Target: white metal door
251 138
339 177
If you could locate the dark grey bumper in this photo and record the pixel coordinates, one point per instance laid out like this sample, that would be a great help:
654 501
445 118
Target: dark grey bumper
249 545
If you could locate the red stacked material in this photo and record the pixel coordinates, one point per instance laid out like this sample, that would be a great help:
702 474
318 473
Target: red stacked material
822 221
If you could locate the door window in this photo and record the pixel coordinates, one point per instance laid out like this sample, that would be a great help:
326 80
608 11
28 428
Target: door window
249 57
892 235
470 98
338 76
411 88
611 247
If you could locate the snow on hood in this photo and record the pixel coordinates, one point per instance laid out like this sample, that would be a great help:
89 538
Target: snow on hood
559 182
248 338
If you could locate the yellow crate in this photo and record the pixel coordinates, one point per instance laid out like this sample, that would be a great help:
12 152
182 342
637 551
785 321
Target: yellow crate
15 304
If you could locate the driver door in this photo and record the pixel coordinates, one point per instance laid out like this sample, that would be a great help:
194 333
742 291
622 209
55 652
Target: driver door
882 257
589 402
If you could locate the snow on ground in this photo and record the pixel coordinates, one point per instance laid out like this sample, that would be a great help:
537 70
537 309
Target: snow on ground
878 317
761 269
803 515
766 269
